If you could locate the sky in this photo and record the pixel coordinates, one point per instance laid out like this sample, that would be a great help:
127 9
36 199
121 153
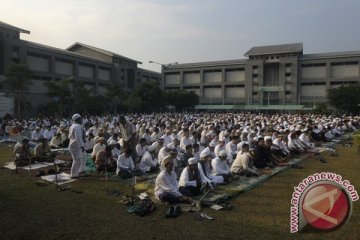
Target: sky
184 31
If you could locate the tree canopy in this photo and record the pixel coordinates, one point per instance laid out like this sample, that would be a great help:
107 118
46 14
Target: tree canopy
345 99
17 82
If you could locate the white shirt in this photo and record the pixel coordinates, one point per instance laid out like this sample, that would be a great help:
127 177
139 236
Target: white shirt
231 148
305 139
220 167
115 152
217 149
184 178
97 148
167 139
124 163
184 142
89 144
36 135
154 137
55 142
140 150
48 134
76 136
166 182
162 154
282 145
147 161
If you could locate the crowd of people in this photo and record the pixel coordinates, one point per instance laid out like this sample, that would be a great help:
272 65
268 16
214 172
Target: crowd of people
189 152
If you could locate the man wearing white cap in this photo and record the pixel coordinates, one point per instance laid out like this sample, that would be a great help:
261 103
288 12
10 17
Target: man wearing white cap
99 146
76 145
205 166
115 149
36 135
220 146
191 179
221 167
164 152
167 187
148 162
231 147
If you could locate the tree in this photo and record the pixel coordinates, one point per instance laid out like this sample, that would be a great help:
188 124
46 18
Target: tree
182 99
17 82
151 96
117 96
81 97
60 92
345 98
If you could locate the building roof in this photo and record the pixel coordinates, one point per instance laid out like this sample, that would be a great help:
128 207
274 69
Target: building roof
206 64
62 51
8 26
275 49
252 107
148 71
330 55
101 51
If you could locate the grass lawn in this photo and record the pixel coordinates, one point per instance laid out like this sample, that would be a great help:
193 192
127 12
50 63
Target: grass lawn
28 211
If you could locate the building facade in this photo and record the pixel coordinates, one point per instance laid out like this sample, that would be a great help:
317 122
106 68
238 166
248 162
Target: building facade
272 77
98 68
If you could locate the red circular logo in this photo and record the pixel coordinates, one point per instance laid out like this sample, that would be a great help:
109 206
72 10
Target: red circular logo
326 206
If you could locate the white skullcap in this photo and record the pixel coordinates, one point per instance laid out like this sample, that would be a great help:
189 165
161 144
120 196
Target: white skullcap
192 161
221 139
112 142
75 116
170 146
267 138
255 138
151 148
212 144
222 153
204 153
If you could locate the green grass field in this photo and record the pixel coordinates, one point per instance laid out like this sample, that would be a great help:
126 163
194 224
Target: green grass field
33 212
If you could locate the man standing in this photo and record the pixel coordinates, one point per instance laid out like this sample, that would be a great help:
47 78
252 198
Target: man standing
76 145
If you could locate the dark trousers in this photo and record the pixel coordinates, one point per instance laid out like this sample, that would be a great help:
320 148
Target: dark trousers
260 163
169 198
190 191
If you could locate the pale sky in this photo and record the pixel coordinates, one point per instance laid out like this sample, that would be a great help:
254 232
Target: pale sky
183 31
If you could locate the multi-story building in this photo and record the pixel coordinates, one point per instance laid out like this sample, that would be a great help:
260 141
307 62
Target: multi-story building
98 68
272 77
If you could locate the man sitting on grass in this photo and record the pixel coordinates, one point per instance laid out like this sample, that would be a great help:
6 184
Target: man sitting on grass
243 164
104 159
149 163
22 153
43 152
192 180
167 187
125 165
56 141
220 166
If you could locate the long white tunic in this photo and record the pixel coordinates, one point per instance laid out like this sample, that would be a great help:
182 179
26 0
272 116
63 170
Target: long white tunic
124 163
147 161
76 136
166 182
220 167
